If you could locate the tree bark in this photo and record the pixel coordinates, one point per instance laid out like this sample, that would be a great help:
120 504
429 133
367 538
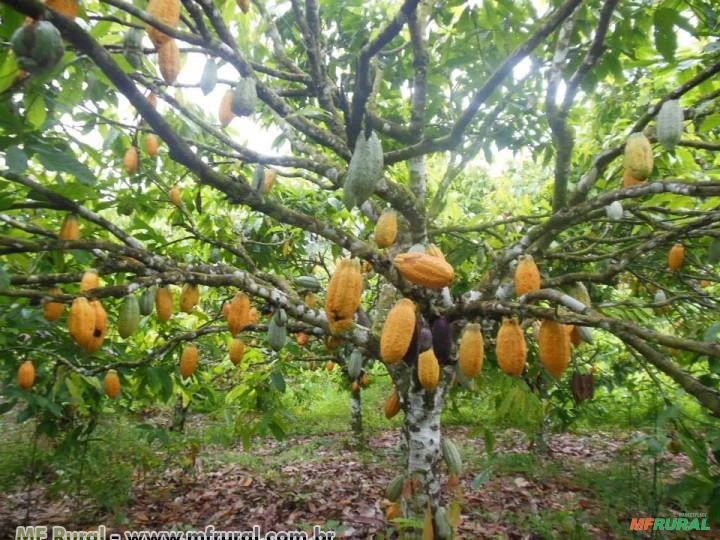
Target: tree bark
356 424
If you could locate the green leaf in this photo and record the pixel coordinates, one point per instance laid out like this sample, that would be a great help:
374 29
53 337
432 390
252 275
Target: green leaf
277 381
481 478
16 159
37 111
57 160
710 335
665 39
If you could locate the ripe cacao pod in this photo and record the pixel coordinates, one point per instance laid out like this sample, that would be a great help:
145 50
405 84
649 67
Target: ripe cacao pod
364 171
393 511
442 340
26 375
471 352
428 370
676 256
423 269
81 322
527 276
100 327
166 11
669 124
329 365
343 295
355 387
130 160
511 349
386 229
355 363
397 331
629 180
554 347
244 97
70 228
188 361
68 8
238 313
208 80
151 144
435 251
638 156
269 179
147 301
365 379
237 351
189 297
225 114
393 491
129 317
169 61
164 303
301 338
90 280
38 46
311 300
392 405
52 311
451 456
111 383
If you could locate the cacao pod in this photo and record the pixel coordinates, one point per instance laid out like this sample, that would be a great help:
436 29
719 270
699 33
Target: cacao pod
188 361
428 370
100 327
209 77
277 334
238 313
397 331
164 303
527 276
638 156
244 97
189 297
364 171
365 379
237 351
386 229
225 114
90 280
413 352
129 317
309 283
175 196
425 339
68 8
166 11
301 338
26 375
38 46
442 524
554 347
614 211
676 256
354 387
147 301
423 269
451 456
393 491
511 349
330 365
244 5
392 406
52 311
111 383
169 61
435 251
310 300
81 322
343 295
393 511
132 47
442 340
669 124
130 160
151 144
269 179
70 229
472 350
629 180
354 365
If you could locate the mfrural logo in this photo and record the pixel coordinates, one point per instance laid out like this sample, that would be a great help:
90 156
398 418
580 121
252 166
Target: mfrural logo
685 522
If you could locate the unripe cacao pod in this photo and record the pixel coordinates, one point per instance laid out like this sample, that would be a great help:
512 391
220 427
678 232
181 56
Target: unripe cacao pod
309 283
425 339
111 383
129 317
554 347
676 256
354 365
669 124
451 456
638 156
26 375
397 331
38 46
81 322
188 361
151 144
343 295
442 340
428 370
392 406
386 229
277 335
423 269
90 280
130 160
237 351
209 77
527 276
614 211
189 297
244 97
225 114
147 301
166 11
393 491
364 171
511 349
442 524
169 61
164 303
472 351
132 47
70 229
52 311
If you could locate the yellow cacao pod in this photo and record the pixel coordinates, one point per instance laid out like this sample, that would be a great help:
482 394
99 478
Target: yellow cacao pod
253 316
100 327
330 365
471 351
81 322
386 229
26 375
225 114
354 386
638 160
397 331
343 295
269 179
575 338
365 379
629 180
52 311
130 160
164 303
435 251
392 405
111 383
676 256
527 276
166 11
428 370
189 297
393 511
554 347
69 8
70 228
311 300
238 313
423 269
169 61
151 144
511 349
90 280
188 361
237 351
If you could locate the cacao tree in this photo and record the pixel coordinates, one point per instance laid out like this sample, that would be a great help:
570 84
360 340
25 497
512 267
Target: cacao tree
251 157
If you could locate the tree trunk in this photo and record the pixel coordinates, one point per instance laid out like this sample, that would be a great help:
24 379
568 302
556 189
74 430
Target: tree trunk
179 415
356 425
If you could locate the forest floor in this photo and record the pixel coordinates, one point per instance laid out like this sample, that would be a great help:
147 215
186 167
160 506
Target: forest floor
589 486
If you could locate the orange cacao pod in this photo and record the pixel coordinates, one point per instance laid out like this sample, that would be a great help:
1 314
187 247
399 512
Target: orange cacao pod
423 269
471 351
301 338
527 276
343 295
130 160
676 256
53 310
81 322
554 347
151 144
169 61
397 331
111 384
393 511
189 297
70 228
386 229
330 365
164 303
392 405
90 280
69 8
511 349
225 114
428 370
188 361
26 375
238 313
99 327
166 11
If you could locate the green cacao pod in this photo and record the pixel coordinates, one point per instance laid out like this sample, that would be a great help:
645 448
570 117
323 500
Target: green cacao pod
147 301
209 77
37 46
364 172
669 125
417 248
280 317
277 334
132 46
451 455
129 316
309 283
394 488
442 524
244 97
355 363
